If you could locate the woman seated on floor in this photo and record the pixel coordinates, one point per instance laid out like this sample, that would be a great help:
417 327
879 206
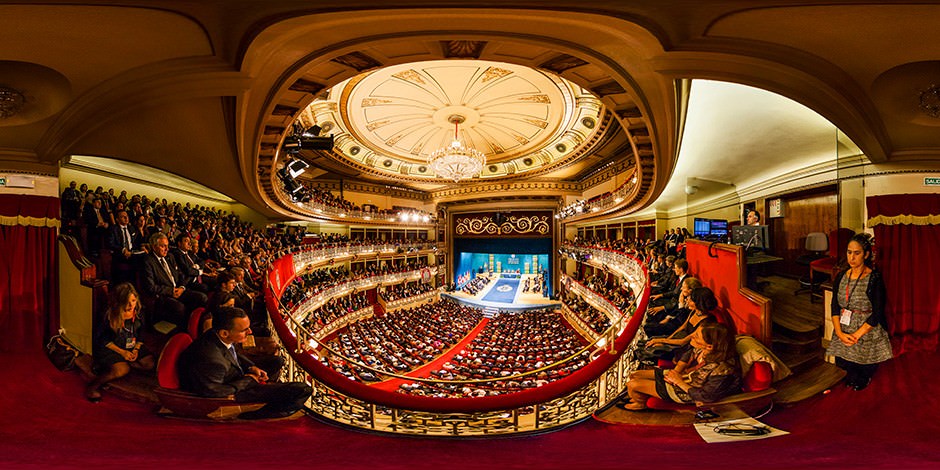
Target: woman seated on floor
116 346
706 373
701 303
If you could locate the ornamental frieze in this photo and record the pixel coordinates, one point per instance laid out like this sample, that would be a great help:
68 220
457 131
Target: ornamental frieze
500 224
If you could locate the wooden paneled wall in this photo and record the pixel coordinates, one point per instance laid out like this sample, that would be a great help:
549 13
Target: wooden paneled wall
808 211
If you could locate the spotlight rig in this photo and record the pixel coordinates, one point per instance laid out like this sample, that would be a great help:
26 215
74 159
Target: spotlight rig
306 139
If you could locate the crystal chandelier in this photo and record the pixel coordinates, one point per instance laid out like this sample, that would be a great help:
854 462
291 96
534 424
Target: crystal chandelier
456 161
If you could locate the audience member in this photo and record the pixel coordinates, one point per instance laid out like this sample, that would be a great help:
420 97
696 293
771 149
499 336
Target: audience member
706 373
161 281
211 367
117 348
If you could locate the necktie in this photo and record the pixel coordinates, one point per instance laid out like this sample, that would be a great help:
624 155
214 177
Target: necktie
98 214
127 237
166 268
231 349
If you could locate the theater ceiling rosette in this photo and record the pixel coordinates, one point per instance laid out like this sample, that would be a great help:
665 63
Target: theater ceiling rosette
387 122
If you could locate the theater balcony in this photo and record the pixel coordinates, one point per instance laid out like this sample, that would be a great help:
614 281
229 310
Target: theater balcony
357 404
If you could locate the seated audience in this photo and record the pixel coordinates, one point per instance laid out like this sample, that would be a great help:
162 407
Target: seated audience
211 367
706 373
664 319
701 303
162 282
117 348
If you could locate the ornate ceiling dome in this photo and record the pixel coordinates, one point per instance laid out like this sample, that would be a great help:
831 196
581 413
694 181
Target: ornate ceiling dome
386 122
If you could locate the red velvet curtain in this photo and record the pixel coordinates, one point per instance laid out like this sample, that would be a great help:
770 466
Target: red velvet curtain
907 241
28 279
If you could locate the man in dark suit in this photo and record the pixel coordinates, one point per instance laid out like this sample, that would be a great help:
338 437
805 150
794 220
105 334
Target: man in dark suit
189 268
96 222
126 252
161 282
670 297
211 367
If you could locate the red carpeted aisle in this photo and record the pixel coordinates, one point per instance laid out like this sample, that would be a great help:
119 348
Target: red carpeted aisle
45 422
425 370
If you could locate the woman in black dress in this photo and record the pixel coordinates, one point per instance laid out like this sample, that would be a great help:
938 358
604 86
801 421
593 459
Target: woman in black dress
116 346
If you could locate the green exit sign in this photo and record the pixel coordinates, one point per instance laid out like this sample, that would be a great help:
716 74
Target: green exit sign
931 181
3 181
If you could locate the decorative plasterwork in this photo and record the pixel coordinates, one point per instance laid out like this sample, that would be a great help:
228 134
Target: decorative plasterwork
505 225
386 122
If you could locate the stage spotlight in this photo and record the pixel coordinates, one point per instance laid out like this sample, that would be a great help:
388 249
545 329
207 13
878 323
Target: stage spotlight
425 219
312 131
297 168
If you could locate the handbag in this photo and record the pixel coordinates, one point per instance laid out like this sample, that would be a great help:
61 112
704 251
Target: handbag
61 353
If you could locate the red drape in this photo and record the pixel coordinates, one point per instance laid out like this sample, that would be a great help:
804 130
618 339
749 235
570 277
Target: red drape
28 280
909 255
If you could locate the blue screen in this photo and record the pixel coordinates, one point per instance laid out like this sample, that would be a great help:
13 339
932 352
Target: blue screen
718 227
702 227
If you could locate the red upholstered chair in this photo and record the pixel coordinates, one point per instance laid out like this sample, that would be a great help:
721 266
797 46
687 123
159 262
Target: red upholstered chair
838 243
194 325
179 403
755 386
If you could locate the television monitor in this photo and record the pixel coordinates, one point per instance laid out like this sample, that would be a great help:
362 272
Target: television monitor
718 228
750 236
702 227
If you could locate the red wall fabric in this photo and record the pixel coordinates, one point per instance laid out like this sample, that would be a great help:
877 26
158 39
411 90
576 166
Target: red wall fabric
908 256
28 275
725 277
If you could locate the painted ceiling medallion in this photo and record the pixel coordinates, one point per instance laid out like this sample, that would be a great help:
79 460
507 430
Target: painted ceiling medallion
404 113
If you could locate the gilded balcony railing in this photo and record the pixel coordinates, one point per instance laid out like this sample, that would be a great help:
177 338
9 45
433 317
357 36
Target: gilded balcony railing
551 406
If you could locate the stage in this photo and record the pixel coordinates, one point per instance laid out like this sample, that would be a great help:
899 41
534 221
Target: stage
505 293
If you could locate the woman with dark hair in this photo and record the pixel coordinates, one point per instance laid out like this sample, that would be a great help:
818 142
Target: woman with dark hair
708 372
860 330
116 346
700 303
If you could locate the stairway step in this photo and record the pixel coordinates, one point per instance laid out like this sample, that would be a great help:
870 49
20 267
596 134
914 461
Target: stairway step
814 380
799 362
785 344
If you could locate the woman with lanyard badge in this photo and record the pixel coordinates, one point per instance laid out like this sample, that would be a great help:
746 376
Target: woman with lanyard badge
116 346
860 330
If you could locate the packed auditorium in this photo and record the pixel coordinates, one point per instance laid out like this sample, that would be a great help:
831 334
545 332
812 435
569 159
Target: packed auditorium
447 235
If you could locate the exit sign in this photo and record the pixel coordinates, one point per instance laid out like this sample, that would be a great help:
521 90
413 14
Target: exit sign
3 181
931 181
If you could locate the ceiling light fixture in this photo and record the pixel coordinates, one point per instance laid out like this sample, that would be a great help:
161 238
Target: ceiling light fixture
11 101
456 161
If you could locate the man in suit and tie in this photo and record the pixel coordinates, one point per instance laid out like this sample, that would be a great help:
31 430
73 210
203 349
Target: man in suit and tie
189 268
96 223
212 367
125 245
669 298
162 284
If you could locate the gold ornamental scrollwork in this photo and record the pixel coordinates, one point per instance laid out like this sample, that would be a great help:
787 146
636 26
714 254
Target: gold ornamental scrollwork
485 225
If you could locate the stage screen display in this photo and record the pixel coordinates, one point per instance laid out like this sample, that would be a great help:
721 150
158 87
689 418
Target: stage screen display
510 256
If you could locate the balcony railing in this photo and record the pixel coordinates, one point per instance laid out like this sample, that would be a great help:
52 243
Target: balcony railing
550 406
345 288
601 204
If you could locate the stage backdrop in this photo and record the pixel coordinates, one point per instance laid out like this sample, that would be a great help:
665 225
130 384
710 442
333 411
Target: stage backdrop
512 238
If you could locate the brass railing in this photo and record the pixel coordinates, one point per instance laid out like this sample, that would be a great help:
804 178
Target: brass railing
552 413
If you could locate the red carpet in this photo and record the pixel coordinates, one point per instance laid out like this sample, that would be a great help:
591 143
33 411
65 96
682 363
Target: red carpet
45 422
425 370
